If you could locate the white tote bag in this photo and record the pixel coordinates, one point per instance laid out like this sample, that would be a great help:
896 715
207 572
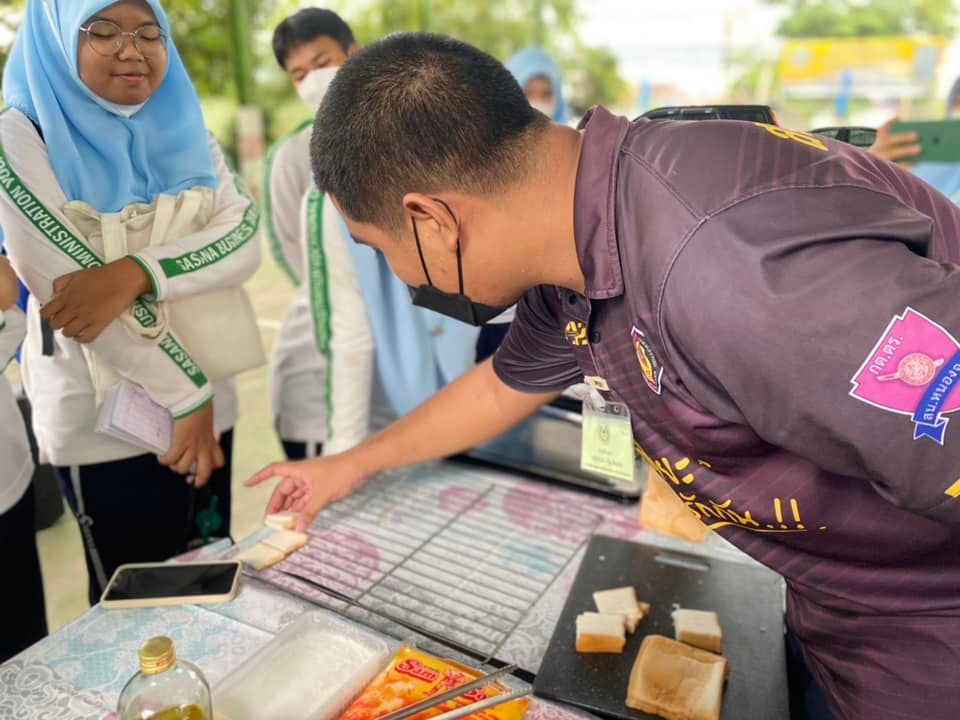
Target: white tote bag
218 328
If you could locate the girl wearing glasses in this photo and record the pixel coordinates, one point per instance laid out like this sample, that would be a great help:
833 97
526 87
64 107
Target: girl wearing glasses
103 141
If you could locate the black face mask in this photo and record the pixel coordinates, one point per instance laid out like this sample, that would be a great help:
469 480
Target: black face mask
455 305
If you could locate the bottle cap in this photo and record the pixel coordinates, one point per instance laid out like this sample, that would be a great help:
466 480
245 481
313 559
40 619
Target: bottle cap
157 655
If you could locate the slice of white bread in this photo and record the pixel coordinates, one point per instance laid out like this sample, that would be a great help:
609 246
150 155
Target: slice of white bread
260 556
698 628
622 601
287 541
598 633
676 681
281 521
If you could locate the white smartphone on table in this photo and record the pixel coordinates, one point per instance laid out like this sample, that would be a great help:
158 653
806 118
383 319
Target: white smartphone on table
163 584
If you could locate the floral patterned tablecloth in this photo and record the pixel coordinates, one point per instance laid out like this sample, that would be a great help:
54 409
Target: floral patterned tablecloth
78 673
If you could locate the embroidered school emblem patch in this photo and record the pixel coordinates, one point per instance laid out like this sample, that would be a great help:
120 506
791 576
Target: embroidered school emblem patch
649 365
913 370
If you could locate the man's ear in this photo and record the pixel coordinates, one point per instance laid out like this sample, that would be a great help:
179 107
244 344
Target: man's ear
434 220
353 49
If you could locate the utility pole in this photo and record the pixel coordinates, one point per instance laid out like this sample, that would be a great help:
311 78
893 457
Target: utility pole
250 125
242 51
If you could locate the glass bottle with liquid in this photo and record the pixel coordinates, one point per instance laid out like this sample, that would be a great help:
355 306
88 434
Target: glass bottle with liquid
165 688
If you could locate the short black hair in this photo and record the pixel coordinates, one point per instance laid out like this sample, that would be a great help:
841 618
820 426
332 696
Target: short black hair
309 24
418 112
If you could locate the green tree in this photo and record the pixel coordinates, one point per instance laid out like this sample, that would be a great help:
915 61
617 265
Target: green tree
9 16
593 78
201 29
502 28
858 18
499 28
850 18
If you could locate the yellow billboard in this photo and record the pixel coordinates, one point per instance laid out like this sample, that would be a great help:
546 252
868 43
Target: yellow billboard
874 67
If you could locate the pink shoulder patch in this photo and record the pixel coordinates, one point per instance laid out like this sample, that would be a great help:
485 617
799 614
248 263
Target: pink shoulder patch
913 370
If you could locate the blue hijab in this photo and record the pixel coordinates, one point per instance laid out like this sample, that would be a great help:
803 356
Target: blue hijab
99 156
532 62
945 177
412 361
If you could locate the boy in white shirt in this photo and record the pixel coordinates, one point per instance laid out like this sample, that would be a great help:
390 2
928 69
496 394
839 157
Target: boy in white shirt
353 353
309 45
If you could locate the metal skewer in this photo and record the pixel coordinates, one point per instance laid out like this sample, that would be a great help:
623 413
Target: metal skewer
434 701
482 705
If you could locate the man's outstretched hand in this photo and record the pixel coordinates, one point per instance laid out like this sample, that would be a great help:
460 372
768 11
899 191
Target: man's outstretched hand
308 486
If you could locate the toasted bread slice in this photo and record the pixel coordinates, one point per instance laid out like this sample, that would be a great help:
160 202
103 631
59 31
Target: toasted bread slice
676 681
663 512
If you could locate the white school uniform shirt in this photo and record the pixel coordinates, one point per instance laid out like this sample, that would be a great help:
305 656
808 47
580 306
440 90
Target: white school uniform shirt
323 369
297 369
320 392
288 177
16 464
324 387
43 245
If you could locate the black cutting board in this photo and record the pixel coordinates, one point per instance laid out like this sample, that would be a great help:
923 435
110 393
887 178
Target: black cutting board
748 599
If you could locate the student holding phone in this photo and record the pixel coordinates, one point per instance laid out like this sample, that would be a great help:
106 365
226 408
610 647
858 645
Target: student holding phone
907 148
898 147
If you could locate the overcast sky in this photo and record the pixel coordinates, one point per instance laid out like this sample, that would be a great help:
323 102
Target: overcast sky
680 42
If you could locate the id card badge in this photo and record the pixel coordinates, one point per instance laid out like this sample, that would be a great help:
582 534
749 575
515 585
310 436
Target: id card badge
607 440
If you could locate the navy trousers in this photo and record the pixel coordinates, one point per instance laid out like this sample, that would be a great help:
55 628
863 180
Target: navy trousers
25 620
137 511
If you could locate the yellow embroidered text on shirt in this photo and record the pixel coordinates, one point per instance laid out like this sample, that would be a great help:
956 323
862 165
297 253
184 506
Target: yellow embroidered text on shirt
721 514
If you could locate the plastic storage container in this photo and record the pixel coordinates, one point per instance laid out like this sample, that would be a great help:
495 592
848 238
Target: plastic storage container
165 688
312 670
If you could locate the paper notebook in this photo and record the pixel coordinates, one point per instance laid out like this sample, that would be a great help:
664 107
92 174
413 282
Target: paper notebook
129 414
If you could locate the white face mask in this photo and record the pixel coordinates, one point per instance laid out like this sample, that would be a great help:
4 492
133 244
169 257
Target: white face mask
547 109
314 86
126 111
